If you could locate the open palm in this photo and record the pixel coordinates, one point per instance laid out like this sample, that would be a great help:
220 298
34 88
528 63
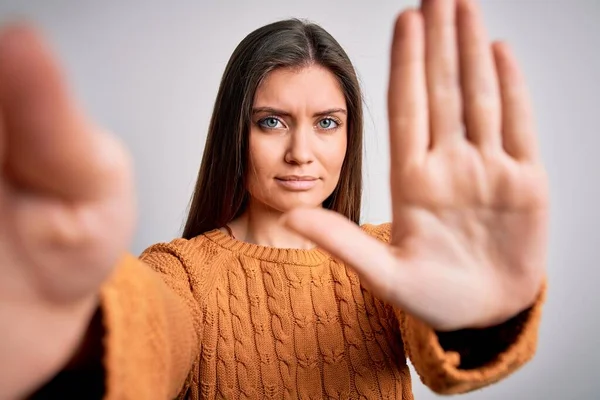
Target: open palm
469 193
67 213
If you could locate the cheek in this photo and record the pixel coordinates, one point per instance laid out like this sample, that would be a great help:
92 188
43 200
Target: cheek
261 161
334 154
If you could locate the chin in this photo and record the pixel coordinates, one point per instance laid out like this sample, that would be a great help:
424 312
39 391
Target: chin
281 200
289 206
287 203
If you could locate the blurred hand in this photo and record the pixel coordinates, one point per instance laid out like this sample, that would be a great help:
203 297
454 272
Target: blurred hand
469 192
66 214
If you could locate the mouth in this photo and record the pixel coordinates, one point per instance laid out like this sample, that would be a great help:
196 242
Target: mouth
296 178
297 182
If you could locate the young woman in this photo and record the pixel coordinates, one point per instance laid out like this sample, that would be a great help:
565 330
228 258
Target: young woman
275 290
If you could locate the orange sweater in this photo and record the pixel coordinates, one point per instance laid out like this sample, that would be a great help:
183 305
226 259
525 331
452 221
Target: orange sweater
213 317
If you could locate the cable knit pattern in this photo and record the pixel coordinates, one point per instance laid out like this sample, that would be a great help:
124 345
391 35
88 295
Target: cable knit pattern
263 336
208 357
214 317
281 325
308 378
353 336
330 338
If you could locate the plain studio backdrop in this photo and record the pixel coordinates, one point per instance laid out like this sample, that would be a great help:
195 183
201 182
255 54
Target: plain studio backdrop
149 71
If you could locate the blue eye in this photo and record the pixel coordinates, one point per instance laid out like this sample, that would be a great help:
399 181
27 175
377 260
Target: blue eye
328 123
270 123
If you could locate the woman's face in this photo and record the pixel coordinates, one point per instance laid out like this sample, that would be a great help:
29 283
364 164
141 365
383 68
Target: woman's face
298 138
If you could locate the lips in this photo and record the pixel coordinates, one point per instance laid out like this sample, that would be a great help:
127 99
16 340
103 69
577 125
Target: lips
296 178
297 182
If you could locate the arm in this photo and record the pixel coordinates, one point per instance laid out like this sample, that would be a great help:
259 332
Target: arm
67 213
469 359
460 361
142 341
150 324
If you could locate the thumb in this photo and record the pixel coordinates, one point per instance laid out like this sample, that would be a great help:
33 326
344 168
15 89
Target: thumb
49 145
372 259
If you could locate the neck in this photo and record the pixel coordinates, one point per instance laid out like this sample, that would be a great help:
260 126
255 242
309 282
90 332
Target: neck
260 225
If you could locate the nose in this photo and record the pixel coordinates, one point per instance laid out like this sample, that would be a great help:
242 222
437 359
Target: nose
299 149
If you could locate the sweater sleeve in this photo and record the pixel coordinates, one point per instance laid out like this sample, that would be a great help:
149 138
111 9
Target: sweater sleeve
469 359
151 326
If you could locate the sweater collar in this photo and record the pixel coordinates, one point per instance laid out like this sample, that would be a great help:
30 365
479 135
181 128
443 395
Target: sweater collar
311 257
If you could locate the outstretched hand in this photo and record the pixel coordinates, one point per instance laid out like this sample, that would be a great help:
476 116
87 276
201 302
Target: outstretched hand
66 214
469 192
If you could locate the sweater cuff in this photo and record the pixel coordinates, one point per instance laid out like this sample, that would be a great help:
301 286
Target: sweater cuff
148 342
466 360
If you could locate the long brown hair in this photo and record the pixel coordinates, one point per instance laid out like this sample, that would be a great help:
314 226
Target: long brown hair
220 194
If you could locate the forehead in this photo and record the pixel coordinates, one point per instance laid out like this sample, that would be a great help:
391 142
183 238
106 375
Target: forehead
313 88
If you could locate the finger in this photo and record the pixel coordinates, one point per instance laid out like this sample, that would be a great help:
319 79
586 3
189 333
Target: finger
50 146
371 258
518 130
2 157
2 142
407 92
481 98
443 86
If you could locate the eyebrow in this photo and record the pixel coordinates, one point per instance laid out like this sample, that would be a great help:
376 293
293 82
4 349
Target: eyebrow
276 111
